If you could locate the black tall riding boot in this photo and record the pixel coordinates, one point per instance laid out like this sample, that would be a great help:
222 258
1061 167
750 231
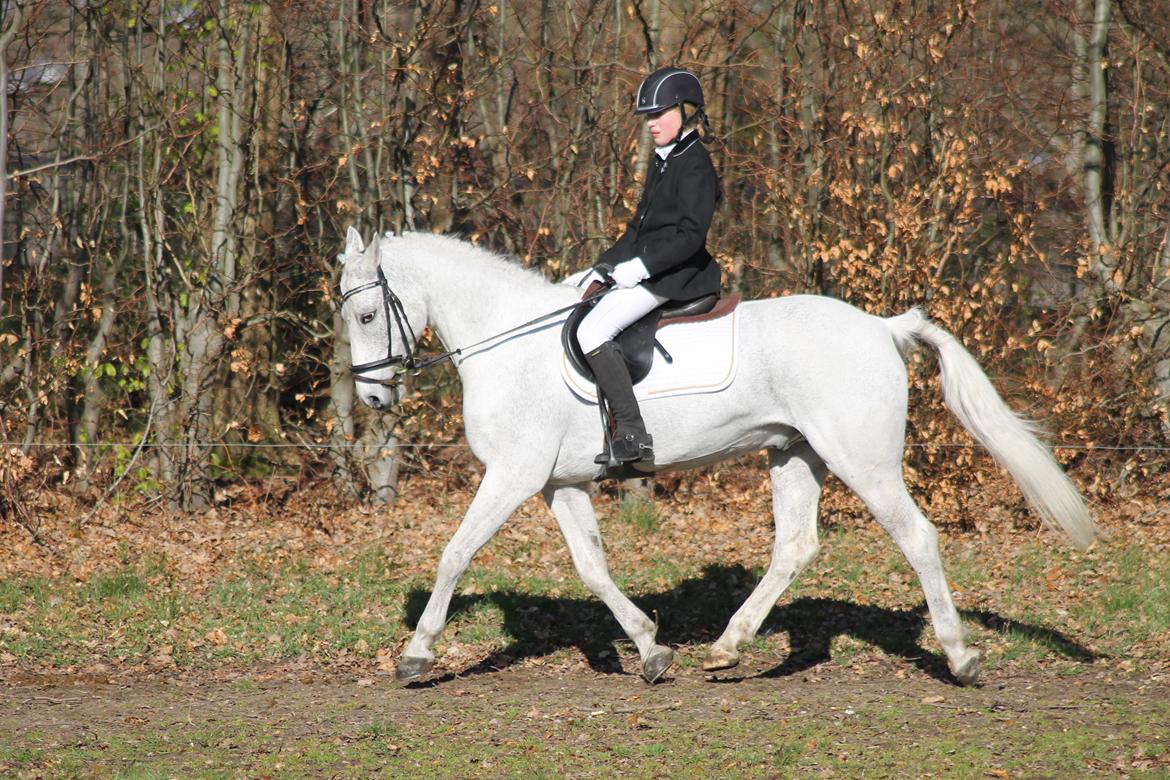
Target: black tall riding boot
630 441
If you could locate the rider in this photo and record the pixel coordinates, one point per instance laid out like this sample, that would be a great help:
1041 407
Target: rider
662 255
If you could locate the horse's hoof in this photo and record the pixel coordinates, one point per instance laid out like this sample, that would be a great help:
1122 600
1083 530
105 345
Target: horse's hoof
412 668
720 659
967 672
656 664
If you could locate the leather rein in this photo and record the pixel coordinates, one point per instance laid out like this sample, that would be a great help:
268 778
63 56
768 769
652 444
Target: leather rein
392 307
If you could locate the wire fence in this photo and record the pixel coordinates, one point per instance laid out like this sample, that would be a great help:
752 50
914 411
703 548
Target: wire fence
234 445
440 445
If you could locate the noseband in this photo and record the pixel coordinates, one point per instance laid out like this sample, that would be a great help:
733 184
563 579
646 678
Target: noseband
391 305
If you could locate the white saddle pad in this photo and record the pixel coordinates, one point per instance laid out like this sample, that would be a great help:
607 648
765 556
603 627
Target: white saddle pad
705 356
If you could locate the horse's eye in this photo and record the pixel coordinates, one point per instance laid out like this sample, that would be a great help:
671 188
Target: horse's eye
366 319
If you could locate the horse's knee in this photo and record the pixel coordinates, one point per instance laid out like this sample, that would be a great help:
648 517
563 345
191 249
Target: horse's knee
897 513
452 563
800 550
918 539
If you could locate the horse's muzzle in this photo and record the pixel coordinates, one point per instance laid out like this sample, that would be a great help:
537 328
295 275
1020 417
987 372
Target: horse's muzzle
381 394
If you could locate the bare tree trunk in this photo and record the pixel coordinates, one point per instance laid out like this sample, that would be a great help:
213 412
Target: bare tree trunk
104 268
811 61
13 21
88 402
148 233
1090 86
249 398
365 125
341 405
381 458
11 26
776 250
218 300
1097 162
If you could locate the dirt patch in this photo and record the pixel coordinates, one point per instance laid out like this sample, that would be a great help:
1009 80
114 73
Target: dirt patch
875 715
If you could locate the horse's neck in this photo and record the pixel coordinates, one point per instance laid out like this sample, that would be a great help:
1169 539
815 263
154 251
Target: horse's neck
471 295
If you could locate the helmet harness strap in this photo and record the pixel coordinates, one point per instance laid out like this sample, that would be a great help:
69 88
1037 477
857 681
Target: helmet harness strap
699 114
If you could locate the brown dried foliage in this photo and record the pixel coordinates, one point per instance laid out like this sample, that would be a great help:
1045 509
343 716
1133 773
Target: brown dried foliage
889 154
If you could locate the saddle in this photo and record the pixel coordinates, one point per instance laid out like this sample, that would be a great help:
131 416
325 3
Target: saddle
638 341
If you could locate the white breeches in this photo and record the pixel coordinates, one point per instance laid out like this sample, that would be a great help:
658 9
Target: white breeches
613 313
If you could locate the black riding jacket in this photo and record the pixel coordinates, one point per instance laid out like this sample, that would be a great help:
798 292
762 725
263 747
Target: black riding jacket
669 229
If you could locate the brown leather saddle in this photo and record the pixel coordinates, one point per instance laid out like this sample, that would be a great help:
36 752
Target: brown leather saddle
639 341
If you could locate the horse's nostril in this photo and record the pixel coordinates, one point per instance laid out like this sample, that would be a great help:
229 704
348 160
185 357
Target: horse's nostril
374 401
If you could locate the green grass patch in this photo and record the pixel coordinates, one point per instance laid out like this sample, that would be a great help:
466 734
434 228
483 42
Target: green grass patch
121 586
1043 605
639 512
254 612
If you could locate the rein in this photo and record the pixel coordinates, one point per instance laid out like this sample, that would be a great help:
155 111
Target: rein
391 305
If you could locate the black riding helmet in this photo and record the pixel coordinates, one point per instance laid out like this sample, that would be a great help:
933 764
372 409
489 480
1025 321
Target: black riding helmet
666 88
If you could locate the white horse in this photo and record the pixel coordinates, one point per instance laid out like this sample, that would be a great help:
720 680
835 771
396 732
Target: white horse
821 386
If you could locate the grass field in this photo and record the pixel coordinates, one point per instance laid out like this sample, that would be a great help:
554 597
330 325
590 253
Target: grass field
244 647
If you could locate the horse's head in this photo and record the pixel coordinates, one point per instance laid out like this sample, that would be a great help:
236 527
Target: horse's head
383 328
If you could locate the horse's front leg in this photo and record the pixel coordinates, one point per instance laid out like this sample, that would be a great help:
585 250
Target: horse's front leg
574 513
500 493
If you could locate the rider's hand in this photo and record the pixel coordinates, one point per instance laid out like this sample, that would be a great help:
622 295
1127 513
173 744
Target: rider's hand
629 273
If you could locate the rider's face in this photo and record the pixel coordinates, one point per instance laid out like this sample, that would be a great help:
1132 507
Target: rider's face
664 125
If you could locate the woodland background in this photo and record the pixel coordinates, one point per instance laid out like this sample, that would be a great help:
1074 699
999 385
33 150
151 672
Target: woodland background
176 177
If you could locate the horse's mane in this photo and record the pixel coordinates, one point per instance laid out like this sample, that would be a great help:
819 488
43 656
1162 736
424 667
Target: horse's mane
457 248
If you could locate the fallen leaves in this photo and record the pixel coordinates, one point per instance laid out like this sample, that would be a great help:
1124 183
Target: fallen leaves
385 660
216 636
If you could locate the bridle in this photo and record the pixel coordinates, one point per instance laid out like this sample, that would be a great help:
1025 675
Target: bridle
392 306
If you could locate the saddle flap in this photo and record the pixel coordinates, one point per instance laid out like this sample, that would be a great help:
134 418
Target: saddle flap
637 340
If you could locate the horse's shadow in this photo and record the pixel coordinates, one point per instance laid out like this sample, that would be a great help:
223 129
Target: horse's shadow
696 610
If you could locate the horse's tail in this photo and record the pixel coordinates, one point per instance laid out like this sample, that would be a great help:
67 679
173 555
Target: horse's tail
970 396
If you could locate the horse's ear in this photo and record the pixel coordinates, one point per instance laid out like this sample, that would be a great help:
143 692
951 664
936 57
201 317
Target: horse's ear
354 246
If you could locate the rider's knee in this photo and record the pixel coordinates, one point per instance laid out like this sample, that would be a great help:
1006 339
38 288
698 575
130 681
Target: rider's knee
593 332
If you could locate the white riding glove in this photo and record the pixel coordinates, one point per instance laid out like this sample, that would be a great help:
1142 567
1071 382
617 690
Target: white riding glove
629 273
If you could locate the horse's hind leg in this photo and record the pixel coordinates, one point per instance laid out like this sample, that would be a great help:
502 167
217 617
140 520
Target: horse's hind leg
885 494
797 477
574 513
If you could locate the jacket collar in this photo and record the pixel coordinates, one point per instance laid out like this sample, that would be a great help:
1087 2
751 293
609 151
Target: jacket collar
678 147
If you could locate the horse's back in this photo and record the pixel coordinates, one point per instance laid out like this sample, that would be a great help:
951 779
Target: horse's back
813 310
814 330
